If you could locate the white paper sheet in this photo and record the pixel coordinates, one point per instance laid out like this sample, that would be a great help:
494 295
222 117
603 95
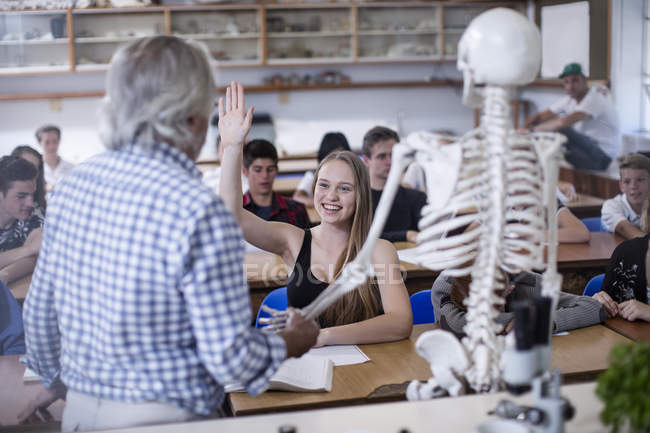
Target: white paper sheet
408 255
341 355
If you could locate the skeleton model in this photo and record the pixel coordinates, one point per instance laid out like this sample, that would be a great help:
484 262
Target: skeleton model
502 179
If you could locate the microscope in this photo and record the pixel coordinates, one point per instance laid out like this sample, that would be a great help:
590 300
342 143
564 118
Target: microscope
526 362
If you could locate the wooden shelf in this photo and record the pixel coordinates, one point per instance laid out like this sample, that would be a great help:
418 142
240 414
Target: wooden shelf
215 36
276 35
20 42
255 89
429 15
397 32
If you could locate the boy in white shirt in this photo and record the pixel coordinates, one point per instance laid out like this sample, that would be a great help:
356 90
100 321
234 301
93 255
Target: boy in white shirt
622 214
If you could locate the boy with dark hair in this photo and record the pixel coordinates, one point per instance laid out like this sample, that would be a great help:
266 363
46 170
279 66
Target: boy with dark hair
402 223
623 214
20 226
260 166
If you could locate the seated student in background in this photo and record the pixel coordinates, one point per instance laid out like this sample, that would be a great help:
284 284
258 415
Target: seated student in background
414 177
331 142
139 305
626 288
32 155
622 214
586 116
376 312
402 222
49 137
449 293
20 223
260 168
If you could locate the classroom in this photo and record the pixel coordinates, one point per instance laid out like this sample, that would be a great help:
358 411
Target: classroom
324 215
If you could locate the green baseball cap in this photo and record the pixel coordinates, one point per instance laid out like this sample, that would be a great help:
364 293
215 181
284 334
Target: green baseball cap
571 69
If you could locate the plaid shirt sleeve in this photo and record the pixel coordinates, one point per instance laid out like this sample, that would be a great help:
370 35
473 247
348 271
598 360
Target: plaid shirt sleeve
217 300
42 338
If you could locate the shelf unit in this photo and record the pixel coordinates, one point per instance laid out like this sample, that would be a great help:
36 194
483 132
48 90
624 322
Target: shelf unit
242 35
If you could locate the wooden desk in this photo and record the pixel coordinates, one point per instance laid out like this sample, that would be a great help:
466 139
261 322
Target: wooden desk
586 206
286 185
383 378
581 356
444 415
637 330
297 165
594 254
15 394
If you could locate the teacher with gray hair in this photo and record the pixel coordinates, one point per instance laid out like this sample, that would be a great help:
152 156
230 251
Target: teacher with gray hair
139 307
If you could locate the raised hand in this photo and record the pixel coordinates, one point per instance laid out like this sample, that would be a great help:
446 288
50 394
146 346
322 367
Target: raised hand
234 119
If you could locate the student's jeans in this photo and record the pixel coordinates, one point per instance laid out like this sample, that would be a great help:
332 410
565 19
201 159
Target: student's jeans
583 152
86 413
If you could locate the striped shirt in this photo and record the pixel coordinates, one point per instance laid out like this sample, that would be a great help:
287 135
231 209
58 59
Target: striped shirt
139 291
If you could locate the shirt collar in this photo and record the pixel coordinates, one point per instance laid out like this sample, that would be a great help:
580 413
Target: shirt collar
629 207
169 155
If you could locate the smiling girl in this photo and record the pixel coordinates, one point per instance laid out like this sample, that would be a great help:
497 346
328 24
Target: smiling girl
378 311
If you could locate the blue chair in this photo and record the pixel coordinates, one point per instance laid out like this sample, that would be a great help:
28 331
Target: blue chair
593 224
594 285
422 307
12 335
277 299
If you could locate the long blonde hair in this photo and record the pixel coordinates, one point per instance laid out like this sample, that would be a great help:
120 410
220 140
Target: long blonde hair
363 303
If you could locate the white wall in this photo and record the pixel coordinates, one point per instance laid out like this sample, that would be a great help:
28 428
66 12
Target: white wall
627 57
419 107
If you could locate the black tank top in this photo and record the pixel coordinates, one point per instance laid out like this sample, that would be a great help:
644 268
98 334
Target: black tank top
303 287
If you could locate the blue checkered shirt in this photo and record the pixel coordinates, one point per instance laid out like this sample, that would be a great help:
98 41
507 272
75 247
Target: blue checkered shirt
139 292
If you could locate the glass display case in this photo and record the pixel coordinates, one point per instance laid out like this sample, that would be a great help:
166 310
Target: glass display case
232 35
97 34
240 35
308 34
456 19
34 41
407 33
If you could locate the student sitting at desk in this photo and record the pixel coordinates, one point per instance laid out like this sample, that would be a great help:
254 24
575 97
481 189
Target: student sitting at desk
402 222
448 296
622 214
331 142
376 312
20 222
260 168
626 289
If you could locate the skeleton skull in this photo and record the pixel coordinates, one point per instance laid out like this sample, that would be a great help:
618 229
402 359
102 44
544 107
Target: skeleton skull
500 47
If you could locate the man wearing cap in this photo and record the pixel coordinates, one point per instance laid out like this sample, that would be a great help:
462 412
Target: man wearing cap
586 116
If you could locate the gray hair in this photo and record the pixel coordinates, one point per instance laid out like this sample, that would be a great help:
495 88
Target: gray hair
153 86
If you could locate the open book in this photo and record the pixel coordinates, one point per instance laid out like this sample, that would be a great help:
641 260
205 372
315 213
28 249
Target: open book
305 374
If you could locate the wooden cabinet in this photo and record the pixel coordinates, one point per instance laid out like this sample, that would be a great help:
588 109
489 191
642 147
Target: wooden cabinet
241 35
232 34
98 33
34 41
